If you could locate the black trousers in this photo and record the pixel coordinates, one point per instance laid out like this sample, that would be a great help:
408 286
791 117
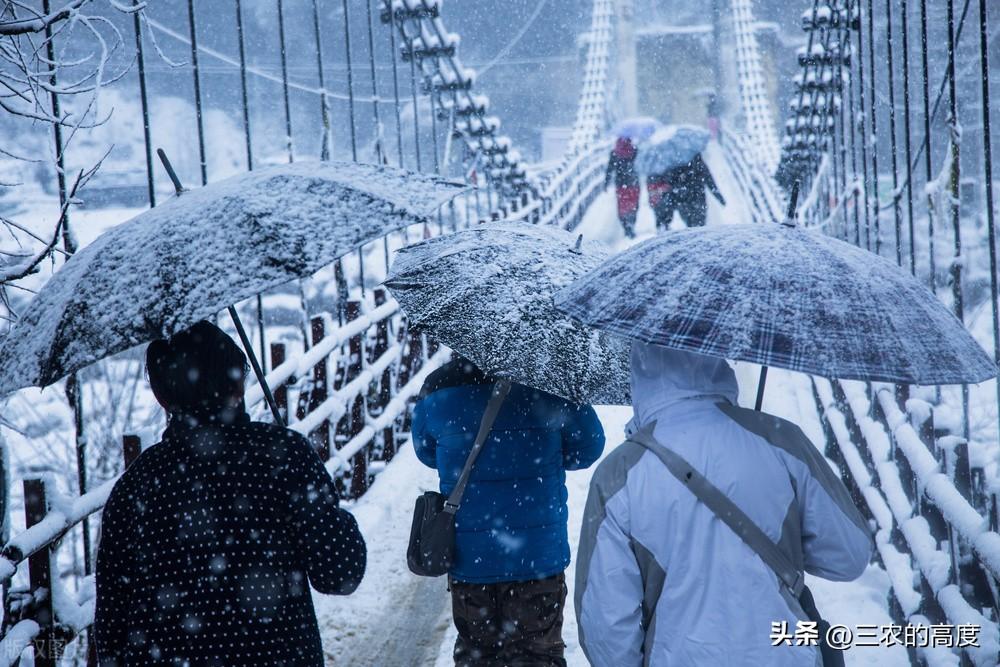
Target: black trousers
694 213
510 624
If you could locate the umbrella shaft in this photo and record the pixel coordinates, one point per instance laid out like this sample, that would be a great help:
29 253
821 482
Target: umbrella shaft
760 388
268 396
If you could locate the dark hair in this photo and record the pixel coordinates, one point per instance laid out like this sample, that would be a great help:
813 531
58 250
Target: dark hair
196 368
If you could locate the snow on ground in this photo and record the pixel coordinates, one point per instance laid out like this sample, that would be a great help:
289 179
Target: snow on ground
395 618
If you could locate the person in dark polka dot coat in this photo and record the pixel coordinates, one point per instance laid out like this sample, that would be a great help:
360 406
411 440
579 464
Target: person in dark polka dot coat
211 539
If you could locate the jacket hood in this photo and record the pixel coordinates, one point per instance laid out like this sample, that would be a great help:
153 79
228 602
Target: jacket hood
662 378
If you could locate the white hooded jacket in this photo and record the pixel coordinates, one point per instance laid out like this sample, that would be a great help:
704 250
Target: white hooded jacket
660 580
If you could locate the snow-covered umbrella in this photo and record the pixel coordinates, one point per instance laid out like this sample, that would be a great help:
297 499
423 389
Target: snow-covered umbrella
486 292
637 129
669 147
203 251
780 296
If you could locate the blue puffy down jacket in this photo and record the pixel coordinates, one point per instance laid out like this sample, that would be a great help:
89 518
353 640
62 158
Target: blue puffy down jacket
512 522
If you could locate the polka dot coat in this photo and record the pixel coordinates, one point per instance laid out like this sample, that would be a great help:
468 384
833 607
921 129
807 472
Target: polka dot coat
209 544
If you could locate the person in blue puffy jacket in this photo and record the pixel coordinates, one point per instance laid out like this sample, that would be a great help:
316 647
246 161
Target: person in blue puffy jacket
507 583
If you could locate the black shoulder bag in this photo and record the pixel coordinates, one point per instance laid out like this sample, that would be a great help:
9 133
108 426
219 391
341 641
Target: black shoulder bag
792 581
431 551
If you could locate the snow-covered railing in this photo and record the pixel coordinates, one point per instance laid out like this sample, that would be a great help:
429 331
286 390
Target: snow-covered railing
565 193
757 185
917 487
45 616
349 393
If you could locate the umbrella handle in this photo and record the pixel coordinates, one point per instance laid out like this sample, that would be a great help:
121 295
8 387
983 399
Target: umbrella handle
268 396
760 388
178 188
793 202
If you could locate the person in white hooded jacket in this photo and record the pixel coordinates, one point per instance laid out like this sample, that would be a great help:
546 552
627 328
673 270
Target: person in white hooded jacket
661 580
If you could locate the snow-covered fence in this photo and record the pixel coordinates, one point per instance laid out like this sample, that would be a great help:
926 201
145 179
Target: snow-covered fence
45 616
349 391
879 103
357 384
564 194
936 524
757 185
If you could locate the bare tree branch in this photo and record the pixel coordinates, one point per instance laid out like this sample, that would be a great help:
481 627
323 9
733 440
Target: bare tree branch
40 23
30 265
19 270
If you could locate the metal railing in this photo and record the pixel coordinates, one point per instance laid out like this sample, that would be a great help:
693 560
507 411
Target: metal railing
936 518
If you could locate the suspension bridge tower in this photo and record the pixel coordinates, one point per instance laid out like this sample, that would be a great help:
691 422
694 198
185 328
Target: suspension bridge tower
625 47
725 81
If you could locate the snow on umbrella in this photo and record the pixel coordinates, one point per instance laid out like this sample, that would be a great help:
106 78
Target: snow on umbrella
672 146
779 296
638 129
202 251
486 292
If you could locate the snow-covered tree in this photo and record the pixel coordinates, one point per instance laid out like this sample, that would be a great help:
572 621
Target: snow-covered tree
53 63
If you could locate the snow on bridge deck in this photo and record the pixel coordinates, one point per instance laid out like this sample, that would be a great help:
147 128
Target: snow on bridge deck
396 619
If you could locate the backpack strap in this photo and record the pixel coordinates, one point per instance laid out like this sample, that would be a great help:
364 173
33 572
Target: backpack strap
726 510
500 391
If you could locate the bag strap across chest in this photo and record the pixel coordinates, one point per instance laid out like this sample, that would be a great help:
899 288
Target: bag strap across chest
500 391
726 510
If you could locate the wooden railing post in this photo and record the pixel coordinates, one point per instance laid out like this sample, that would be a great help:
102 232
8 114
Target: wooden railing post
352 423
923 424
844 406
969 570
940 528
317 393
384 394
278 353
48 647
926 433
408 364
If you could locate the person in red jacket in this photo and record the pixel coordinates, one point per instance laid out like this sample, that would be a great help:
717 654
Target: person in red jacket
621 171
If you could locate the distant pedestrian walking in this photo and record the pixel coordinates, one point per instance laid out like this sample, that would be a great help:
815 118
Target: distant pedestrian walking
511 546
621 172
211 540
682 189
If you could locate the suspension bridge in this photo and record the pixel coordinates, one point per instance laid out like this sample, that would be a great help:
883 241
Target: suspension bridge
873 137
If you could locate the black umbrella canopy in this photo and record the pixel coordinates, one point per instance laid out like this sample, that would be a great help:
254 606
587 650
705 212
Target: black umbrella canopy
204 250
486 292
779 296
